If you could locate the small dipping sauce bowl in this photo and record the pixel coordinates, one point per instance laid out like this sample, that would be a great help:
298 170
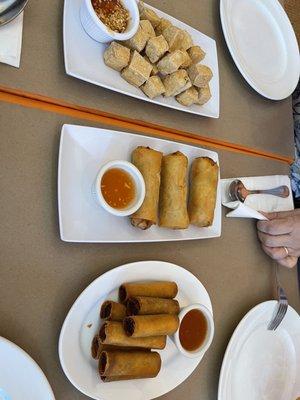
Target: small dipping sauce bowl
195 332
136 178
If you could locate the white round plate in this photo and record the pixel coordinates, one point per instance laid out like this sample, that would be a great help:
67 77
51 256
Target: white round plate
20 376
82 323
263 45
261 364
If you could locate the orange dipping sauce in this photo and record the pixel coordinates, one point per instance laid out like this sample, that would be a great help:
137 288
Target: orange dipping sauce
193 330
118 188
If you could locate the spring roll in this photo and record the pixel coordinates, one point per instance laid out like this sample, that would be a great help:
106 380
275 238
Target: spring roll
148 161
151 306
135 365
98 347
113 333
203 192
112 311
142 326
163 289
173 192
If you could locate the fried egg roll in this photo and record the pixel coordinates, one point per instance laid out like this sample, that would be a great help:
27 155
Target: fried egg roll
203 192
148 162
135 365
151 306
112 311
163 289
173 192
142 326
113 333
98 347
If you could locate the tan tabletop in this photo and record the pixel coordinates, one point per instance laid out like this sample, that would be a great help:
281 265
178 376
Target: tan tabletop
246 117
41 276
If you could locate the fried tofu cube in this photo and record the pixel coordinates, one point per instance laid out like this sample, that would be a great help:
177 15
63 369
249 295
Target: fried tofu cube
147 13
163 24
196 54
171 62
153 87
186 41
148 28
187 60
200 74
138 70
156 48
204 95
176 83
116 56
173 36
154 67
138 41
188 97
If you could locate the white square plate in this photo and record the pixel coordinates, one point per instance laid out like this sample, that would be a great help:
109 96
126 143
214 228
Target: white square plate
83 151
84 60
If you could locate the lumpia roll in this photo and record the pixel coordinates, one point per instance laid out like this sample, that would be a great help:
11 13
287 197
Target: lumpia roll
113 333
173 192
142 326
203 192
98 347
95 351
148 161
135 364
151 306
163 289
112 311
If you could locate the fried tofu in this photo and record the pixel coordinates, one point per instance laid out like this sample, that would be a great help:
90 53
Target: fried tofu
156 48
196 54
188 97
138 41
204 95
153 87
171 62
173 36
154 67
147 13
138 70
163 24
176 83
186 41
200 74
187 60
116 56
147 28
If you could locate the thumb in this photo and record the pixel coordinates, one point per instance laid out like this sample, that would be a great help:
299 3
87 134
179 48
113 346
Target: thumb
280 214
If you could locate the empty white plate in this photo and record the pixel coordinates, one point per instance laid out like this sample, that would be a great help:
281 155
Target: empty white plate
20 376
82 323
261 364
263 45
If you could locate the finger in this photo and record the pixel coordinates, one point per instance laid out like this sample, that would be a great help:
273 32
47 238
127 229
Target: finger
276 253
279 226
281 214
273 240
288 262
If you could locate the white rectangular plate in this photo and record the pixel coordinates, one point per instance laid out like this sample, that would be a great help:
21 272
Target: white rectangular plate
84 60
82 152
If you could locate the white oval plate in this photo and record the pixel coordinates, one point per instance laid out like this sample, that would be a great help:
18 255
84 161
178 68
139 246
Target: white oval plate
20 376
82 323
261 364
263 45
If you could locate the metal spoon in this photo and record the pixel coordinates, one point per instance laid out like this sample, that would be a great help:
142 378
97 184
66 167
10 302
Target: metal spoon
10 9
237 191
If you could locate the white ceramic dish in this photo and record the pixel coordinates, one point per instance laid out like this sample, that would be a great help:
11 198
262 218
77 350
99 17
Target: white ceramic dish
84 60
261 364
76 335
82 151
263 45
20 376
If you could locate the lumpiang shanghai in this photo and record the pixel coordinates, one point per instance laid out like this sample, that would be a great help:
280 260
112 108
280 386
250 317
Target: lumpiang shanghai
150 176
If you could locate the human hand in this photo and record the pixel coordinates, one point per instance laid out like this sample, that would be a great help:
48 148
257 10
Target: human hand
280 236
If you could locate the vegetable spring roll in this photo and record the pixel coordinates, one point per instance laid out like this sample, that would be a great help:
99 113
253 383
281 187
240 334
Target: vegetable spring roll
173 192
113 333
163 289
98 347
142 326
151 306
112 311
203 192
148 161
135 365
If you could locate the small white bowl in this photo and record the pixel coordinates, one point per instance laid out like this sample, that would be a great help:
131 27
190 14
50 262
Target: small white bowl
209 335
98 31
139 184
